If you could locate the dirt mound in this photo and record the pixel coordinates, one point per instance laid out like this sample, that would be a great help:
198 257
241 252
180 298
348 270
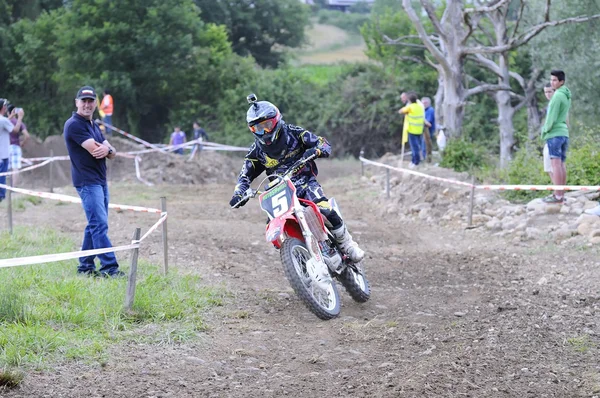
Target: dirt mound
157 168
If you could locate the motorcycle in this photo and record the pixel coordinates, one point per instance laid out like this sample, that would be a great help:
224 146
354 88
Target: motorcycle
310 255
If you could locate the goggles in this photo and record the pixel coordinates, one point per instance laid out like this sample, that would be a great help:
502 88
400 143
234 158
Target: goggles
264 127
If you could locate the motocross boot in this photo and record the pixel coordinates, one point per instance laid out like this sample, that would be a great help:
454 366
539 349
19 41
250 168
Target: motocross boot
347 244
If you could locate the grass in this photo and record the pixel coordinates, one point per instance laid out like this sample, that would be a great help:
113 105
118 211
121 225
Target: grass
49 313
330 44
581 343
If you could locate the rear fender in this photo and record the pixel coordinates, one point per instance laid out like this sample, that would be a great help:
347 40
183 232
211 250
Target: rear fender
281 227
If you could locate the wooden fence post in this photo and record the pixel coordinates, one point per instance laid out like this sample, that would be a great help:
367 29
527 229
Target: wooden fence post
51 171
387 183
130 294
471 203
9 207
163 207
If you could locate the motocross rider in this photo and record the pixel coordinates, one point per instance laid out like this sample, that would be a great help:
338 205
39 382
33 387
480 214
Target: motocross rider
277 146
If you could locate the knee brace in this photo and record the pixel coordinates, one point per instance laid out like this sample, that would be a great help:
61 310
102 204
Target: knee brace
330 214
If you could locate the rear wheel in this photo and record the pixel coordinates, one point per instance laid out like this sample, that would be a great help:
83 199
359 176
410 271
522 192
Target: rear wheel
354 280
324 303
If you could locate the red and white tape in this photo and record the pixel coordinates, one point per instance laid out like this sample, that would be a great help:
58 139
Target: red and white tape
415 173
488 187
13 262
130 136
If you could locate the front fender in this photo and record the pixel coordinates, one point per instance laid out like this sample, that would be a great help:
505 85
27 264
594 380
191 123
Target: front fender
281 227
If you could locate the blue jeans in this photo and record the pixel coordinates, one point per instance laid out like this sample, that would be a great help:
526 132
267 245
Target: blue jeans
414 141
108 120
3 169
94 199
557 147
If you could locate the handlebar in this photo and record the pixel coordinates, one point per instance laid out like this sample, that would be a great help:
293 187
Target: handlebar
251 193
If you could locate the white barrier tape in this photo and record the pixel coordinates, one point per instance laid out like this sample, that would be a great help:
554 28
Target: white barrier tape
491 187
416 173
50 258
10 173
138 174
73 199
162 219
65 157
538 187
128 135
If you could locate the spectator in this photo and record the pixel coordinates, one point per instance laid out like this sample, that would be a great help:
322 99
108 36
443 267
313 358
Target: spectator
415 116
429 128
199 135
548 92
6 127
178 138
556 132
89 150
107 107
16 143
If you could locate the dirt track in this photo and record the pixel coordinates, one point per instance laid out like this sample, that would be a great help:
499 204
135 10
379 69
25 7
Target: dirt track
453 313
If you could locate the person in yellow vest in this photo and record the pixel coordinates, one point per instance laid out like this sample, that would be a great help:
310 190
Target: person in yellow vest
107 107
414 121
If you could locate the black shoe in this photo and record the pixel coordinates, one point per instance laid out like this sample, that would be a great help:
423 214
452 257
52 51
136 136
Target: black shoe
90 273
115 274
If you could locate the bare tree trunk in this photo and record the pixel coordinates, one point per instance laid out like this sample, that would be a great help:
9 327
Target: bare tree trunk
438 101
534 118
505 123
453 107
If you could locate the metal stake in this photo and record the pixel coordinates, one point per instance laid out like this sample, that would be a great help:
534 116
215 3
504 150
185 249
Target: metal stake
471 202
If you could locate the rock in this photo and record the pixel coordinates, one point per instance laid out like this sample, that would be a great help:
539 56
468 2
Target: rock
553 208
585 229
491 212
595 233
535 205
424 214
460 314
522 226
481 218
386 365
534 233
430 197
420 206
542 281
588 218
588 204
562 233
595 240
494 224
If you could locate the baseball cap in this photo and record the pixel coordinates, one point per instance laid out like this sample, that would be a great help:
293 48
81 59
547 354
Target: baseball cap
86 92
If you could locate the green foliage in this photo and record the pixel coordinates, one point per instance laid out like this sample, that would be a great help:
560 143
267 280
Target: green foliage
351 22
462 155
260 28
50 312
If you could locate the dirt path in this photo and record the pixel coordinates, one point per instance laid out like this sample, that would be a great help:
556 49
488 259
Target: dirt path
453 313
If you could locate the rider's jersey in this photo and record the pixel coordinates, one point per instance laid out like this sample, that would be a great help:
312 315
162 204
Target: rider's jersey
298 141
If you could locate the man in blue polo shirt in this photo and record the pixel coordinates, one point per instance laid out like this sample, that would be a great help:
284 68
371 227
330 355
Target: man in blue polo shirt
89 150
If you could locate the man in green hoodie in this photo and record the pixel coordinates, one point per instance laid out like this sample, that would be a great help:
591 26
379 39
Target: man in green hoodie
556 133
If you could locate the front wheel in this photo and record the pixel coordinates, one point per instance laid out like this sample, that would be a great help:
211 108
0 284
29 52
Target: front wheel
354 280
324 303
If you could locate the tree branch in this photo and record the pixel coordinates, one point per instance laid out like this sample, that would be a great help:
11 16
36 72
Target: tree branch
484 88
418 60
519 17
438 55
399 42
547 11
434 19
527 36
486 9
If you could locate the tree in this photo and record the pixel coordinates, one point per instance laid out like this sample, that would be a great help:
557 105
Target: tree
261 28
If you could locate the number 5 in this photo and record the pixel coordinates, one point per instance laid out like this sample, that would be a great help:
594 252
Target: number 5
279 203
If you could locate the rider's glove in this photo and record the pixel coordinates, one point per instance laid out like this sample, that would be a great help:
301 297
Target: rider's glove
310 152
235 199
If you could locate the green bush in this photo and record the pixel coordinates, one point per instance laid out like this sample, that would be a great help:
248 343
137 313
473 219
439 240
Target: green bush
462 155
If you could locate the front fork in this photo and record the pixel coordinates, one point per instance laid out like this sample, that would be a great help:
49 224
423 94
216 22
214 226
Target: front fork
316 267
